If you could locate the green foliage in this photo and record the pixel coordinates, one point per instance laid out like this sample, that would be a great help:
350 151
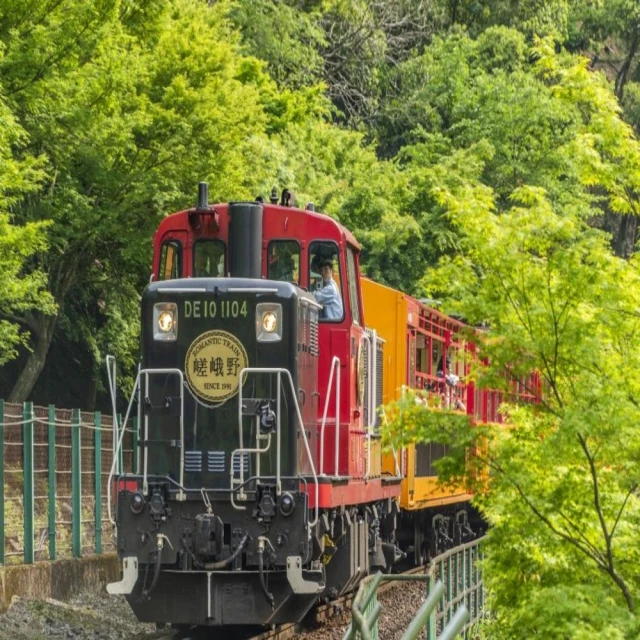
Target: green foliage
530 107
20 292
128 120
287 39
563 475
531 17
418 417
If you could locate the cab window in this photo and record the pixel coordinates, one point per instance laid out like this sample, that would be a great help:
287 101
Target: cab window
283 261
170 260
325 279
208 259
353 285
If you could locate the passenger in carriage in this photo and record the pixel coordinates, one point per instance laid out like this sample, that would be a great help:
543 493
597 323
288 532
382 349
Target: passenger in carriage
451 378
329 295
450 399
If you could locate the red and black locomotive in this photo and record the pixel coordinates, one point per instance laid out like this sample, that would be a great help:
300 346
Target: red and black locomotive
261 488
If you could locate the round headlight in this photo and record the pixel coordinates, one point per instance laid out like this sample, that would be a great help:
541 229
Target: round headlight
287 504
269 322
137 502
165 321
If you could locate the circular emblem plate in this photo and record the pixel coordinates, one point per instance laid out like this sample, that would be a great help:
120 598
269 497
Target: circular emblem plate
213 364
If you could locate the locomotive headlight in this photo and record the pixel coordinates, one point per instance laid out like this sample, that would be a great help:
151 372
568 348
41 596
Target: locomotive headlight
165 321
137 503
268 322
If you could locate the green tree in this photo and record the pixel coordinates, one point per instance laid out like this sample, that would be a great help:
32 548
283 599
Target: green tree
131 107
531 17
530 114
22 290
562 490
287 38
21 294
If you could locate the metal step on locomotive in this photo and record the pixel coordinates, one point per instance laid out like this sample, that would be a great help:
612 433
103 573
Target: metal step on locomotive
263 485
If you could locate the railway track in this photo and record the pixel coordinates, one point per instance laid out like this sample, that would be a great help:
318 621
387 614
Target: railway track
316 617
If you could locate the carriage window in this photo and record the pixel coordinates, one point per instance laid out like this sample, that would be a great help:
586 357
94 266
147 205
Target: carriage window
325 280
170 261
208 259
283 260
353 285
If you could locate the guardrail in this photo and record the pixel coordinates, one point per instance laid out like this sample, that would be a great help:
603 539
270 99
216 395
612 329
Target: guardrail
54 465
454 598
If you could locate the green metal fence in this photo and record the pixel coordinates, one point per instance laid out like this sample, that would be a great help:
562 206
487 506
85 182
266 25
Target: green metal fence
54 467
454 602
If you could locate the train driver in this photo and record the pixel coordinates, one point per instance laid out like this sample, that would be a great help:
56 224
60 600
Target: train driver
208 260
329 295
201 266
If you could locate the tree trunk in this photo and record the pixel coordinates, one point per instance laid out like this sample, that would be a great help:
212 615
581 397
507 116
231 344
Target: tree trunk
623 73
92 390
623 229
42 332
625 239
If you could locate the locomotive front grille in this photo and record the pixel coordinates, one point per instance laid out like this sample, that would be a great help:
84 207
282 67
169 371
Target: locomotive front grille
216 461
245 463
193 461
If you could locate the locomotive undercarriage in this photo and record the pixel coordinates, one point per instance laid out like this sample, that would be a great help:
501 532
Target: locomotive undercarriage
357 541
204 562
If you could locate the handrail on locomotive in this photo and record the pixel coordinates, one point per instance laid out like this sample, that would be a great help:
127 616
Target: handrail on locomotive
118 444
112 373
110 362
370 342
257 450
335 366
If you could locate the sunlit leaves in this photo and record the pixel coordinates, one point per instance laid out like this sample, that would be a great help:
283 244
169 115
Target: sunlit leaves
561 492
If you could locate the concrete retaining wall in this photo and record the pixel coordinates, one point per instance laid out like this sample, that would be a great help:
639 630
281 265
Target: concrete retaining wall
61 579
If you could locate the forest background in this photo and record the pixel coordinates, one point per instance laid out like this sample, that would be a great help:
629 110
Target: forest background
482 151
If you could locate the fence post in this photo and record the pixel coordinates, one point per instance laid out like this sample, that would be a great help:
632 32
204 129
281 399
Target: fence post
456 571
431 623
449 589
76 485
121 450
469 579
441 613
134 460
51 441
97 423
424 613
480 559
27 448
1 481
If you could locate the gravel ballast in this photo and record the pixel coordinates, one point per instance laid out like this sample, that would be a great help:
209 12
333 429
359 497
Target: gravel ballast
399 605
86 617
103 617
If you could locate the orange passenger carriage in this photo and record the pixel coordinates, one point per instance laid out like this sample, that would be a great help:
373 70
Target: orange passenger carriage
432 353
